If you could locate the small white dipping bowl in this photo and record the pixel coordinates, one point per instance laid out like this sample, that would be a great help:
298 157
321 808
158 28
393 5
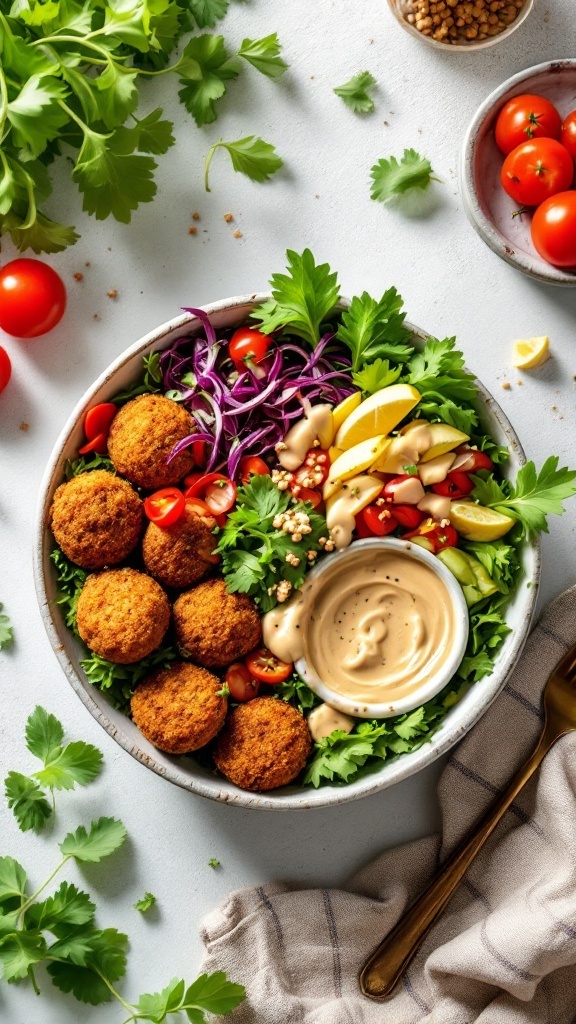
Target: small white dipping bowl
488 208
342 562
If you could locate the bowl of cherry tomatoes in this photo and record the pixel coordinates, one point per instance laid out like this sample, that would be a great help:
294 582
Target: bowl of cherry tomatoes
517 172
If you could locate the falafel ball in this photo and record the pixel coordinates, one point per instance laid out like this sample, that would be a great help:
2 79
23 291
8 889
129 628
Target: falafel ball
215 627
179 708
180 555
142 435
96 519
122 615
263 745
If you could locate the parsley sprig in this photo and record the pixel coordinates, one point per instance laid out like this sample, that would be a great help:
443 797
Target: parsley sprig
253 157
254 552
64 766
394 177
374 329
533 497
301 300
448 390
355 93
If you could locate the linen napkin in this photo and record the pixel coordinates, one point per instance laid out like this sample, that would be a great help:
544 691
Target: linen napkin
504 950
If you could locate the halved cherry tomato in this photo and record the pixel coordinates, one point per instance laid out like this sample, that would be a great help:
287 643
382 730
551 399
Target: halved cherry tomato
568 134
408 516
201 509
192 479
390 487
308 494
98 444
378 520
456 485
536 170
361 528
5 368
476 460
98 419
216 490
266 667
438 537
165 507
247 347
242 685
526 117
199 453
252 465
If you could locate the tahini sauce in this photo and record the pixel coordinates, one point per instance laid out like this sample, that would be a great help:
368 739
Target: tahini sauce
374 633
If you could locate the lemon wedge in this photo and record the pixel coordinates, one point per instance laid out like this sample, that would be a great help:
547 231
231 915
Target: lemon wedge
475 522
530 352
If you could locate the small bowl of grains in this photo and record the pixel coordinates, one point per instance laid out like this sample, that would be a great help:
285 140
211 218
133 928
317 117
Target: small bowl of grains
461 24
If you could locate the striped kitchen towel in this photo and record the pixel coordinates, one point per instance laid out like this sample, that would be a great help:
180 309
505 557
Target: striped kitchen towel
505 950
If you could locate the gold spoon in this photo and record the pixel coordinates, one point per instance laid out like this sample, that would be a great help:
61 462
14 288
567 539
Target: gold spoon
387 964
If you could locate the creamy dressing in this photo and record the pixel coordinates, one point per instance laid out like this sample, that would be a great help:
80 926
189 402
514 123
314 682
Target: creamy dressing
375 634
291 452
323 720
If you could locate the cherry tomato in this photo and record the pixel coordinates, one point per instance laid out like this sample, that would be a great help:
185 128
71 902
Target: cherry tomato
165 507
526 117
438 537
216 490
192 479
390 487
242 685
475 460
408 516
568 134
537 170
456 485
5 368
247 347
98 444
199 453
32 298
554 230
308 494
313 471
361 528
378 520
98 419
267 668
252 465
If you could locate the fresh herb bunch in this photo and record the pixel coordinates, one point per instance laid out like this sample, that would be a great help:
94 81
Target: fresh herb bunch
64 767
69 75
256 555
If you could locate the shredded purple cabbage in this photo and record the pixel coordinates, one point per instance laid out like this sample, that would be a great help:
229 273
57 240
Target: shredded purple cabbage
245 414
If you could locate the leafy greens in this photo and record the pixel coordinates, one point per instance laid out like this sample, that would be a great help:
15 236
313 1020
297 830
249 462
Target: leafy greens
355 93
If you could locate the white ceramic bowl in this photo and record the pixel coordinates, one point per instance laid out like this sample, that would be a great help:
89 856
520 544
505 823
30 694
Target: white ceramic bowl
184 771
488 208
400 9
337 564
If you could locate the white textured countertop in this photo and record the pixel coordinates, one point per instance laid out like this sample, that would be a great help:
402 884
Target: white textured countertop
452 284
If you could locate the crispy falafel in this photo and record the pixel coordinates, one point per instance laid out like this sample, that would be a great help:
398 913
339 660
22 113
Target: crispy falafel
263 745
215 627
179 708
180 555
122 615
96 519
142 436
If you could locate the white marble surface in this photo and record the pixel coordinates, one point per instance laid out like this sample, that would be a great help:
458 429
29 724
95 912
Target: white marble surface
451 283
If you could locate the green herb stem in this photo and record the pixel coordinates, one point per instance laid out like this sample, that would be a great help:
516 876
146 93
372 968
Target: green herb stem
31 899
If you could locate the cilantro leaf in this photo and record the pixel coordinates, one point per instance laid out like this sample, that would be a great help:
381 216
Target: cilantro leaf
207 12
533 497
146 903
373 329
77 764
213 993
112 184
148 135
264 55
392 177
301 299
107 956
68 906
19 951
355 93
296 692
105 836
375 376
44 734
35 114
155 1006
117 94
201 89
28 801
448 390
12 882
6 631
251 156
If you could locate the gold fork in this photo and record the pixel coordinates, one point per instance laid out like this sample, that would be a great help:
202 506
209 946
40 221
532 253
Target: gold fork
387 964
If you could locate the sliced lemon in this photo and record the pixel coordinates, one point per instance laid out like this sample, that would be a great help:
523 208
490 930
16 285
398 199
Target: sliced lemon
530 352
378 414
342 411
475 522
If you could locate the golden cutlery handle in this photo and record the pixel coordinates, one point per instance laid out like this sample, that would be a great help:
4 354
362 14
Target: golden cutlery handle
387 964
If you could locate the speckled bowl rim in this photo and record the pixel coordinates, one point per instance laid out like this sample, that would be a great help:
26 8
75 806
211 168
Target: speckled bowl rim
502 246
454 727
473 47
443 674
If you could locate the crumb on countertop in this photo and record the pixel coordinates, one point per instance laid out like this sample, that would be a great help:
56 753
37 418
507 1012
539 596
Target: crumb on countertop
228 217
506 385
78 276
195 215
192 231
96 316
25 426
237 234
87 264
112 294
